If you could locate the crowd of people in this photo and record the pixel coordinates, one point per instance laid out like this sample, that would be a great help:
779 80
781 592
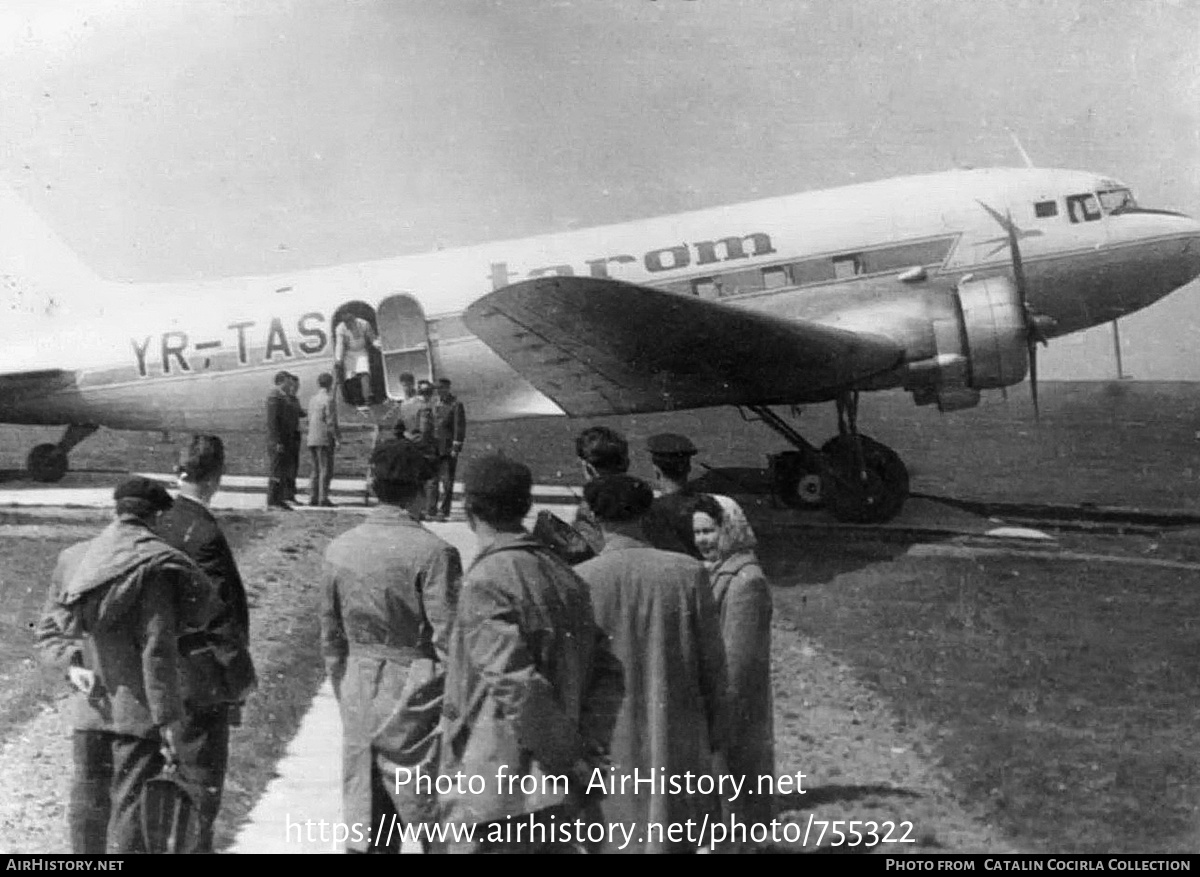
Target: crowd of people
428 415
651 657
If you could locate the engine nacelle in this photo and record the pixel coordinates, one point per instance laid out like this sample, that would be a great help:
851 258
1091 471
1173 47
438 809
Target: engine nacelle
980 346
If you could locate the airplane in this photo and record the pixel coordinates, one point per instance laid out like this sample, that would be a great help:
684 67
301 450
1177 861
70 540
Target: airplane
942 284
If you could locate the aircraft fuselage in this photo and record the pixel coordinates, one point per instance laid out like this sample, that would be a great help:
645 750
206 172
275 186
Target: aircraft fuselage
885 257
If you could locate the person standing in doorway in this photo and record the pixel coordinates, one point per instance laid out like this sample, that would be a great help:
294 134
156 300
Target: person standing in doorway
323 439
353 340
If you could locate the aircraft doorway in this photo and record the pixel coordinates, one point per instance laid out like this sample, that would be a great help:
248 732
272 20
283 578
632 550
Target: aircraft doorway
404 342
358 362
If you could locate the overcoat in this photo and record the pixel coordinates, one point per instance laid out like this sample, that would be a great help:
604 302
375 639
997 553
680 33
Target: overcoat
743 597
117 605
391 587
657 608
217 668
531 684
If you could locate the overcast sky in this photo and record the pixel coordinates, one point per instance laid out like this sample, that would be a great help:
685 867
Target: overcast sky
171 140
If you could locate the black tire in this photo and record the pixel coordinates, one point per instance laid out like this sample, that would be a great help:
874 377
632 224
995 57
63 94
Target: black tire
796 485
880 497
46 463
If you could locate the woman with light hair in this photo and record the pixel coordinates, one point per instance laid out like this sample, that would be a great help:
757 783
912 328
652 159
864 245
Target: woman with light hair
743 597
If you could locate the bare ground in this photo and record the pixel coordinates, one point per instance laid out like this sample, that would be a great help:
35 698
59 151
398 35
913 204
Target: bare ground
857 763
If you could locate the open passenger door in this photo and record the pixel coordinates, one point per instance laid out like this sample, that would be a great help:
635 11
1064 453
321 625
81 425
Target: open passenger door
404 341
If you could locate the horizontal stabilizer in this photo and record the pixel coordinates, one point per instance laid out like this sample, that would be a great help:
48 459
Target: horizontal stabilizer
597 346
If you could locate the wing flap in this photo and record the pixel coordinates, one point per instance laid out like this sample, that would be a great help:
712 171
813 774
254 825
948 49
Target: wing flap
597 347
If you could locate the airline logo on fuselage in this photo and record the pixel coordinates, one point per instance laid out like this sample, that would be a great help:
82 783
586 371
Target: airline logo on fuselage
672 258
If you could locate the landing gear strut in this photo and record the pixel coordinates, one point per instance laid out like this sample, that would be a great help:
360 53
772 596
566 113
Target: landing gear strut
48 462
860 480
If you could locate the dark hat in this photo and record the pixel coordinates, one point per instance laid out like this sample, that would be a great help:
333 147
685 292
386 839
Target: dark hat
670 444
498 477
618 498
280 377
399 460
152 493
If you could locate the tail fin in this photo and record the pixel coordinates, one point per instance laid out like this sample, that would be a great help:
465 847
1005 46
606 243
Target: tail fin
39 274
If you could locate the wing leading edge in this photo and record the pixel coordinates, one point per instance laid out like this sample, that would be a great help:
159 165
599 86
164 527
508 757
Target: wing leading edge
598 347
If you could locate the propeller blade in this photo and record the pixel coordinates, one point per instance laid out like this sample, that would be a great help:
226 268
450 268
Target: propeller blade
1033 378
1033 332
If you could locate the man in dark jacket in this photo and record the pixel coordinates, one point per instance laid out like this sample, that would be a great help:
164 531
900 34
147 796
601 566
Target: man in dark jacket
449 431
218 673
112 620
283 425
531 686
601 451
390 591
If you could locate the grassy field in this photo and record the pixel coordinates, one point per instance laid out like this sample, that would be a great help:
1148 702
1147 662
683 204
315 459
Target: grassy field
1062 697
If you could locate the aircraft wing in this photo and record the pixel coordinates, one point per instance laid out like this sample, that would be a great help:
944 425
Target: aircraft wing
597 346
39 382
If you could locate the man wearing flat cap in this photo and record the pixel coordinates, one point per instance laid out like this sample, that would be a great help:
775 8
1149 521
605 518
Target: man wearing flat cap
391 587
657 607
112 620
668 524
531 685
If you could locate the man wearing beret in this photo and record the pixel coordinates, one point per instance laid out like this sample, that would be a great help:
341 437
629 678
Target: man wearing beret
112 620
668 524
531 685
391 587
658 609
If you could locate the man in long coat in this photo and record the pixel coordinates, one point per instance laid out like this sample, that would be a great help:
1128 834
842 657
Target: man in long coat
390 592
657 608
217 671
116 608
449 433
282 426
531 686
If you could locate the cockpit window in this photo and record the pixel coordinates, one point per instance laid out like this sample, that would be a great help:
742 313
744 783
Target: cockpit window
1116 200
1083 208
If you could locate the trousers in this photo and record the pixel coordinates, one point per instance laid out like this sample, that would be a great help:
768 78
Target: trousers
439 490
203 750
105 807
322 473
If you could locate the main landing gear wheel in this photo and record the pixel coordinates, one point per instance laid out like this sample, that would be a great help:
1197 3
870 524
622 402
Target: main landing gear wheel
871 495
796 485
46 463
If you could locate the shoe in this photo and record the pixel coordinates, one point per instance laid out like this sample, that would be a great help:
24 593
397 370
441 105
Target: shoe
326 504
282 506
441 519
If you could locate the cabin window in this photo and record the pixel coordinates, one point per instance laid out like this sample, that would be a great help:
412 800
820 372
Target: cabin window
1083 208
739 282
1045 209
706 287
812 271
774 278
847 266
903 256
